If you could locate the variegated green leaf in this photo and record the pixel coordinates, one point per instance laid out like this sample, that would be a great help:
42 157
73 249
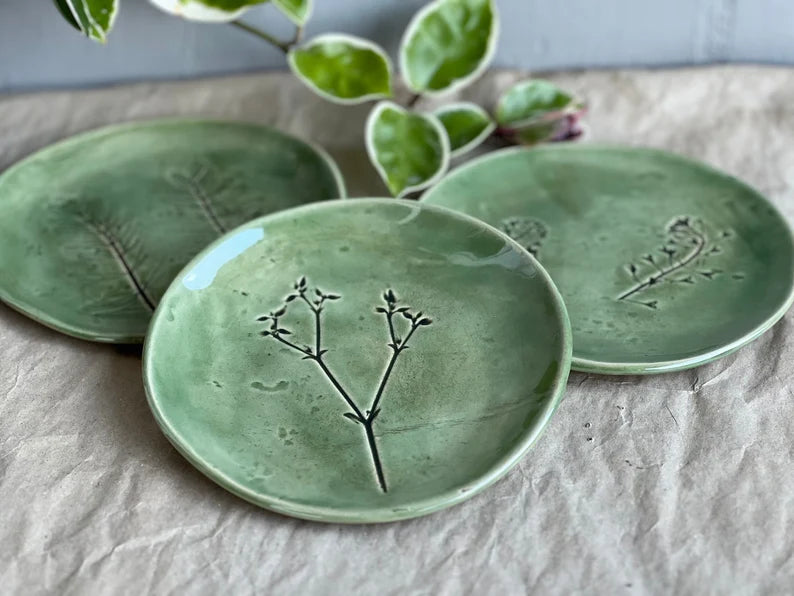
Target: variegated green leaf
537 111
343 68
66 13
209 11
559 128
448 44
298 11
530 100
467 125
229 5
409 150
93 17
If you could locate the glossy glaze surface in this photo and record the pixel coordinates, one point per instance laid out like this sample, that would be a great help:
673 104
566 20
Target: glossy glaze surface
95 228
664 263
358 361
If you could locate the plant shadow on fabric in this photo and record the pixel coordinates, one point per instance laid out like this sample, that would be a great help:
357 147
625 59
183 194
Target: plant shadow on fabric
683 259
316 301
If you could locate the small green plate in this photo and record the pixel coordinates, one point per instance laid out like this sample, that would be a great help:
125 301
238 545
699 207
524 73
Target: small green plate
358 361
664 263
93 229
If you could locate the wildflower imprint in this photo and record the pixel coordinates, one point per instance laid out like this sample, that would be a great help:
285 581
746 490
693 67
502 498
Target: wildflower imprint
683 259
315 301
528 232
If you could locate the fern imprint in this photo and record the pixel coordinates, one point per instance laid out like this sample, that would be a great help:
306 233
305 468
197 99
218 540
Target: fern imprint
315 301
193 183
115 248
682 259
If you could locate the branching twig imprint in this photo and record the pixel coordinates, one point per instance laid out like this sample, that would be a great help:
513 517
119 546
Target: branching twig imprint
316 301
682 260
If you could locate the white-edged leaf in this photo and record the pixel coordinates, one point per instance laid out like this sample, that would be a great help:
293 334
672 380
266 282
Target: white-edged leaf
228 5
534 99
537 111
448 44
297 11
94 18
467 125
565 127
206 11
66 12
409 150
343 68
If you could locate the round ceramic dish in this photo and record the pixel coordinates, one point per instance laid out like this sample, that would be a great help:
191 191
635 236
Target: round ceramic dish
664 263
95 228
358 361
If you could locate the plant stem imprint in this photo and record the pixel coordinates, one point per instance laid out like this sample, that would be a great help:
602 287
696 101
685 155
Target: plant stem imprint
682 261
114 246
193 184
315 301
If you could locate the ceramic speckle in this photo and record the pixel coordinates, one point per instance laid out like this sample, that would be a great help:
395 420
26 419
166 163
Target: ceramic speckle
95 228
663 263
358 361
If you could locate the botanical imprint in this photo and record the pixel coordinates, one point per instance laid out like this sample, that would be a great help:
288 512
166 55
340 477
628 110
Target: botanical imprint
683 259
315 301
528 232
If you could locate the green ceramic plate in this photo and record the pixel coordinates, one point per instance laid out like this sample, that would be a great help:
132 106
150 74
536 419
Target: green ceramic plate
664 263
93 229
358 361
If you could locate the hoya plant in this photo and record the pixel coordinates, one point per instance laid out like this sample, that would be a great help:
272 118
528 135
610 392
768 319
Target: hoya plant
445 47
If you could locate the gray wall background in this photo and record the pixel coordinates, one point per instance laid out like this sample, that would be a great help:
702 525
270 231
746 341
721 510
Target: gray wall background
38 50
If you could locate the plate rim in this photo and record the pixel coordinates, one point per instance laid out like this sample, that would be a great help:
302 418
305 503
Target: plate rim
605 367
500 467
80 332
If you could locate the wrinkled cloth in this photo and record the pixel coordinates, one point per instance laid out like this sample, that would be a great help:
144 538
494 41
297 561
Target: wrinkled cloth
679 483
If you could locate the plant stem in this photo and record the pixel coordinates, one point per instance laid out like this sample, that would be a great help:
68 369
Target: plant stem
319 332
384 379
412 101
356 415
284 46
319 360
340 389
387 372
307 301
366 421
389 316
296 39
287 342
373 448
